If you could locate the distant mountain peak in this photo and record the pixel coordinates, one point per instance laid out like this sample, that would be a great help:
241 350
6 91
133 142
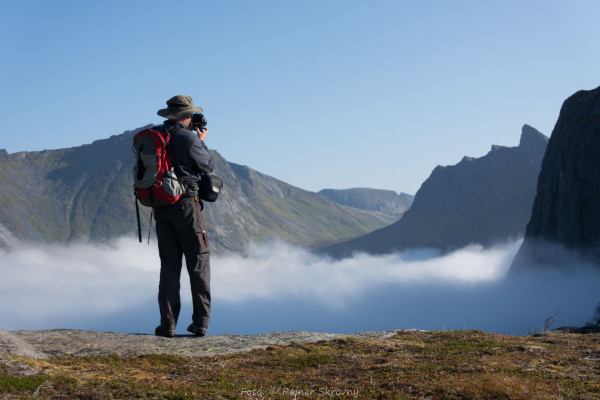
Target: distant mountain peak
483 200
532 137
385 201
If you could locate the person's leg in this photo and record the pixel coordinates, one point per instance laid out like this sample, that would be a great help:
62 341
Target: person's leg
199 271
197 257
170 273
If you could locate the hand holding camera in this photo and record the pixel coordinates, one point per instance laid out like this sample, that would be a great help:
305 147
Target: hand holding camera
199 125
202 135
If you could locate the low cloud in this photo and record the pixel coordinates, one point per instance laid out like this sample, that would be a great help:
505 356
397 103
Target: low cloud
279 270
278 287
41 281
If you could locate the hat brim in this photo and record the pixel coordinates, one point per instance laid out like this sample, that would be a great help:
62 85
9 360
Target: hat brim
179 114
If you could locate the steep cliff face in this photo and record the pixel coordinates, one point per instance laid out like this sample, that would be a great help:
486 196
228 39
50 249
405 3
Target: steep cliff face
566 211
479 200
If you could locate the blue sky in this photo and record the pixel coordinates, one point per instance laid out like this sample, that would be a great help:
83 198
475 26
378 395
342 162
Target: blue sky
320 94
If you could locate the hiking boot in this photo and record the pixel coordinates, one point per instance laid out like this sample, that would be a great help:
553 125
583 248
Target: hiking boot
196 331
164 331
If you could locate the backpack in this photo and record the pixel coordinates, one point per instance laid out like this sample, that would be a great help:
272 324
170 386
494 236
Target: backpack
154 180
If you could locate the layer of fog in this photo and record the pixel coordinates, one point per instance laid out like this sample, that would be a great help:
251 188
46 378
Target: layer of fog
277 287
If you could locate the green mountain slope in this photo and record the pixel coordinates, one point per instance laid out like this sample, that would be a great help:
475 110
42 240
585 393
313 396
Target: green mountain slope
85 193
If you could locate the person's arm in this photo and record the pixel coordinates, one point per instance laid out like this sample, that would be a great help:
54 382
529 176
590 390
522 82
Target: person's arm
200 154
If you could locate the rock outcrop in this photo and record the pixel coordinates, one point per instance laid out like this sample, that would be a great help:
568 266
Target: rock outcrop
566 213
44 344
479 200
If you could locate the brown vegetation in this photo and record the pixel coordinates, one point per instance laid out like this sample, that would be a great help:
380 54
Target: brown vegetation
433 365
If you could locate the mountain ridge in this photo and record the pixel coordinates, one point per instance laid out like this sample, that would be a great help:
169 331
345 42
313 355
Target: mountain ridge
384 201
478 200
86 193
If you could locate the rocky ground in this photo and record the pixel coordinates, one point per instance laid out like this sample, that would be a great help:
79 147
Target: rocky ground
43 344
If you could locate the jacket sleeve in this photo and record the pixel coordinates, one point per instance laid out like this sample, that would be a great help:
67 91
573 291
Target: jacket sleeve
201 157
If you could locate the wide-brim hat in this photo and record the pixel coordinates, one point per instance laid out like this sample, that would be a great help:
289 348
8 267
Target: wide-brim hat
179 107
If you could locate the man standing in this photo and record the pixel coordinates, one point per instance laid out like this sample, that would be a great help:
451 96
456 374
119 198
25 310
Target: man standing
179 226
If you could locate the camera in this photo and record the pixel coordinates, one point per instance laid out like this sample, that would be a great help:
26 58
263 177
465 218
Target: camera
198 121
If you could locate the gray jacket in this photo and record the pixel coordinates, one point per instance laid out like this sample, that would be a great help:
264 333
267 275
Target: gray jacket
189 154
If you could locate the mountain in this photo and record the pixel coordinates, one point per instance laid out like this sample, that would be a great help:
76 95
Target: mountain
386 202
85 193
479 200
68 194
565 215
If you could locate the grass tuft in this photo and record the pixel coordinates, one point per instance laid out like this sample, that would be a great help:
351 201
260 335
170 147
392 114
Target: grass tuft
21 383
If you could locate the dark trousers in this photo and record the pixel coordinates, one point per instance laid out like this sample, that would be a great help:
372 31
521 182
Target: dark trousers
181 233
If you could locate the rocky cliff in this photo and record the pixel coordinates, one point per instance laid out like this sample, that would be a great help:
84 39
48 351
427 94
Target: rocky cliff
566 213
479 200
